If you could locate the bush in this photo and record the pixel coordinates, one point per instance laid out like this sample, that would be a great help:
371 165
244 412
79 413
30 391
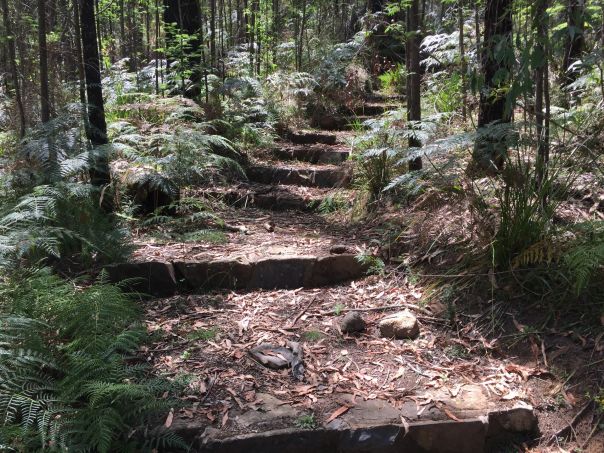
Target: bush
68 380
60 221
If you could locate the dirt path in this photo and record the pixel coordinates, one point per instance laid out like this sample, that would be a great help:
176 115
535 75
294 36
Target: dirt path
289 274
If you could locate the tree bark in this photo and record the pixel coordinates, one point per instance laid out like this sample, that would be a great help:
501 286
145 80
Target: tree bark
13 67
540 21
186 16
462 59
43 56
97 130
497 64
414 111
574 45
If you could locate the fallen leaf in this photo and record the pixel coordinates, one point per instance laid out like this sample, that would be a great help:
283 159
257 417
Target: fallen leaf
169 418
340 411
225 418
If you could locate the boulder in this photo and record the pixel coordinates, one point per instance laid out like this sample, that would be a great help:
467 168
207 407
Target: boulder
399 325
352 322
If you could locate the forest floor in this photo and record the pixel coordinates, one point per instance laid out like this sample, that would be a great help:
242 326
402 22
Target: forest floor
470 358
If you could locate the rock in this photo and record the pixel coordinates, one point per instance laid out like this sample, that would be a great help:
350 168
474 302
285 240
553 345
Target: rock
333 269
273 411
399 325
352 322
338 249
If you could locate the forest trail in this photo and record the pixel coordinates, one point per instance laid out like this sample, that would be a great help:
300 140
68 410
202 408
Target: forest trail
285 280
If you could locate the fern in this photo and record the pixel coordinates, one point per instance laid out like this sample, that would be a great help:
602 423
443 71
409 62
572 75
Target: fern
58 221
65 380
585 258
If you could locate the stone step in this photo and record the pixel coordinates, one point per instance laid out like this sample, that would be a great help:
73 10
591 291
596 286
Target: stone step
164 279
314 154
328 176
311 137
375 109
372 432
338 122
269 197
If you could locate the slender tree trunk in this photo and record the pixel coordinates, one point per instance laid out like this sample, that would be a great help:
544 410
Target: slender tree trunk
574 46
43 56
497 65
477 26
540 23
414 111
13 67
213 33
462 60
186 15
97 131
78 45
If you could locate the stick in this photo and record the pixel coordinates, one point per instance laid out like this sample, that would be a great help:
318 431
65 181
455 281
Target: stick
293 323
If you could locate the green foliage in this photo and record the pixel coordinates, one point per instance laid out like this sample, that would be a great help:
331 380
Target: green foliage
288 95
333 203
341 81
307 422
67 378
313 335
60 221
444 92
374 264
203 334
584 258
393 81
189 219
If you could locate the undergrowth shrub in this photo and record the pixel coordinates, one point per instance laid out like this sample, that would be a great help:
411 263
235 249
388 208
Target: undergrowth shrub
60 221
68 377
393 81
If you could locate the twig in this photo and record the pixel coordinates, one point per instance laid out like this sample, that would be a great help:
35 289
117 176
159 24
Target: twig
299 315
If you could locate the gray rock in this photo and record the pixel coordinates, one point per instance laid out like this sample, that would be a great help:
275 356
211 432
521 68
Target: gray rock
352 322
399 325
338 249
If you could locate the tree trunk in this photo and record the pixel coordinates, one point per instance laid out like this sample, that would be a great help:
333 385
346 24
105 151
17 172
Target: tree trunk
497 64
13 67
43 55
574 45
540 23
97 130
375 6
213 33
414 111
462 60
79 61
186 16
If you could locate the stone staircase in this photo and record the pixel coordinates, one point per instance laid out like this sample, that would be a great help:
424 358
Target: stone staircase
303 169
284 244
